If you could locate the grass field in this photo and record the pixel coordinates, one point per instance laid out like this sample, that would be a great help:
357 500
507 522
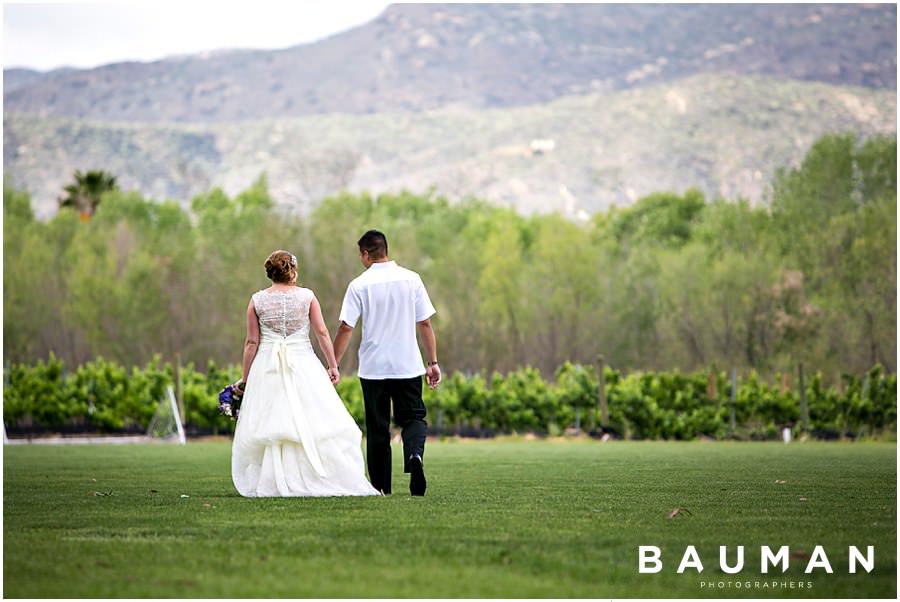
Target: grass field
501 519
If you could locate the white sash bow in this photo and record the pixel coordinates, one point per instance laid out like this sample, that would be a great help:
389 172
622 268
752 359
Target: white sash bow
282 361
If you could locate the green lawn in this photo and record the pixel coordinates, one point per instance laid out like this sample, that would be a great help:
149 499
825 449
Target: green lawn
501 519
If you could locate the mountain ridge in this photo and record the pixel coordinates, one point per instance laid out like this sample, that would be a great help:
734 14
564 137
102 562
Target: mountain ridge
414 58
722 134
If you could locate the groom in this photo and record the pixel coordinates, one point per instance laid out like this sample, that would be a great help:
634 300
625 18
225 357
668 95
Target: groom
392 301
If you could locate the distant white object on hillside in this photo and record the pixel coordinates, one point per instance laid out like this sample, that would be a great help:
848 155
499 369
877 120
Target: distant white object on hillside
539 146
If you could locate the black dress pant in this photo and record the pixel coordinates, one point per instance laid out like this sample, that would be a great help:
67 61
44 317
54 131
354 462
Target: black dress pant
409 415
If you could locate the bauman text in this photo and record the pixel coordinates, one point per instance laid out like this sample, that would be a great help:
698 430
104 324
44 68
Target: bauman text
650 559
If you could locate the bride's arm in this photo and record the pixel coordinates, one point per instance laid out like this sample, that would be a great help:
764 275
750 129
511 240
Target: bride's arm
251 344
317 323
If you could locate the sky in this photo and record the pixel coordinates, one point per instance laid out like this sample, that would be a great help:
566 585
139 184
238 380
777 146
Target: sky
46 36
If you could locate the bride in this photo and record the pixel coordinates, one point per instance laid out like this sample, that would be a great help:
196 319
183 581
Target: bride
293 435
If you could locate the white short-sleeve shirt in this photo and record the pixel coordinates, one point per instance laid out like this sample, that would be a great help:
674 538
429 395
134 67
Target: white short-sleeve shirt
391 300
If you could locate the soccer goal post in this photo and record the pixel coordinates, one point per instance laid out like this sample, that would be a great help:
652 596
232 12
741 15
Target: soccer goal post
166 421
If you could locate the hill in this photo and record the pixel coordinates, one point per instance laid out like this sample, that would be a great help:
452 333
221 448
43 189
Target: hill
414 58
724 134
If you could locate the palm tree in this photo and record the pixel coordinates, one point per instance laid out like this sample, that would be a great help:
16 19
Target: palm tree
84 194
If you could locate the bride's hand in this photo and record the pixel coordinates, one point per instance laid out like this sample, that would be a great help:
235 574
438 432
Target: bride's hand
335 375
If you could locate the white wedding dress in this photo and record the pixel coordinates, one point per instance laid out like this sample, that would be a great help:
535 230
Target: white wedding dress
294 437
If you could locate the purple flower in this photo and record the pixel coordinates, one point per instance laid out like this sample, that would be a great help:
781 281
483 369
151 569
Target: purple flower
230 401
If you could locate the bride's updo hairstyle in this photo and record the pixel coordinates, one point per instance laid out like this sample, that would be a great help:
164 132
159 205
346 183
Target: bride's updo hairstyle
281 267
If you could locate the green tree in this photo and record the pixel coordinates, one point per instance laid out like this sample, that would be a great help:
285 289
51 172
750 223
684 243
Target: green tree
835 222
561 292
500 291
660 219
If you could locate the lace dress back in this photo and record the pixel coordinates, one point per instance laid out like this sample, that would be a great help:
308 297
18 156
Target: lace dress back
283 313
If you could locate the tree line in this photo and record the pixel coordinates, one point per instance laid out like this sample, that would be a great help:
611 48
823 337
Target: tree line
675 281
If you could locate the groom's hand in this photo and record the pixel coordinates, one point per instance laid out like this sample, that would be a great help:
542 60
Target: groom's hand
433 375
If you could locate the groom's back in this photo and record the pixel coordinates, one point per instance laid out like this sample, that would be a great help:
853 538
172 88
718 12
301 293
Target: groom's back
387 296
391 300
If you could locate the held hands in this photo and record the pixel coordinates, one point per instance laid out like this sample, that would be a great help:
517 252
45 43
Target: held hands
433 375
335 375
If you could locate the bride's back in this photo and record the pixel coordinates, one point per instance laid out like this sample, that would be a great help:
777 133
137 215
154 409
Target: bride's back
283 313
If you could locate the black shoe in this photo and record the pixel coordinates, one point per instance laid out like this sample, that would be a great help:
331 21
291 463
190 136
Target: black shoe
416 475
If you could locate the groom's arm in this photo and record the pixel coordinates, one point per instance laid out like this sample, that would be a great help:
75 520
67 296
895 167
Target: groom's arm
350 312
341 340
433 371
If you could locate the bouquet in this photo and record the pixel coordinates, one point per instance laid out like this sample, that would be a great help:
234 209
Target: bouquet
230 400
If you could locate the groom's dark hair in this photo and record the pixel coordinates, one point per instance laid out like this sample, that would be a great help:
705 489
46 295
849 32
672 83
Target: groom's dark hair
375 243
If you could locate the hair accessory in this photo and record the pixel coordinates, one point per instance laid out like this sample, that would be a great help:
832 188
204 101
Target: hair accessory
293 260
